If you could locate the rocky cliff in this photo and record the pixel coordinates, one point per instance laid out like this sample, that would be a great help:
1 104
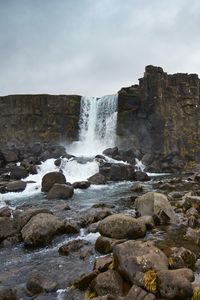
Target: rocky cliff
161 118
28 118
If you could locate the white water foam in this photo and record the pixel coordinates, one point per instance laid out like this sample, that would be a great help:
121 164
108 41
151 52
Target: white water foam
98 121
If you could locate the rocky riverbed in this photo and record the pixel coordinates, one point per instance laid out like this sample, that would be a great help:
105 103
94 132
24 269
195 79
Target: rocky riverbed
121 234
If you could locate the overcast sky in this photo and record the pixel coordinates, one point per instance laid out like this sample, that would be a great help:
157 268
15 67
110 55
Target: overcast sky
94 47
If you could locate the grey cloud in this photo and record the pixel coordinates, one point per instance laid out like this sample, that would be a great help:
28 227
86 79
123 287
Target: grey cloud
93 47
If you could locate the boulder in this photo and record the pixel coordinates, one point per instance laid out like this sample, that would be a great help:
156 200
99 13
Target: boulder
102 263
8 294
111 152
5 211
18 173
16 186
138 293
104 245
138 256
39 283
41 229
50 179
72 246
141 176
109 282
181 257
22 217
93 215
97 179
11 155
191 199
81 184
121 226
84 281
155 204
60 191
175 284
7 228
193 235
117 172
71 227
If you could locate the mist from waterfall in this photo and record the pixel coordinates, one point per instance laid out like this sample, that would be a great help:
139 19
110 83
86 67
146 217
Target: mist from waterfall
97 125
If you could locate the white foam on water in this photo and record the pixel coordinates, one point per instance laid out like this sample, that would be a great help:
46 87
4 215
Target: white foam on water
75 171
98 122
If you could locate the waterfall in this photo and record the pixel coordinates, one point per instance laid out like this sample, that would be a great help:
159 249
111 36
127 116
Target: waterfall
97 125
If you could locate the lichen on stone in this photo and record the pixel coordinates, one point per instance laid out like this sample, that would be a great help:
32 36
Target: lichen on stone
150 281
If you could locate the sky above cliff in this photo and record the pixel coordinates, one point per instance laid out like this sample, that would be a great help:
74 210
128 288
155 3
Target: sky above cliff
93 47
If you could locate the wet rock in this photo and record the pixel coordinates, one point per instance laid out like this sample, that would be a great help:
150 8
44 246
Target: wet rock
117 172
111 152
50 179
137 293
93 215
11 155
60 191
148 221
93 227
7 228
97 179
102 263
133 256
104 245
141 176
191 199
193 235
58 162
12 240
81 185
41 229
8 294
71 227
176 195
181 258
21 218
175 284
155 204
192 217
85 280
109 282
16 186
18 173
72 246
121 226
5 212
38 284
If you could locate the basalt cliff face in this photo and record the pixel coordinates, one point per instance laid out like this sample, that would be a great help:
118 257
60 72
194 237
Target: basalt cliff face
25 119
161 118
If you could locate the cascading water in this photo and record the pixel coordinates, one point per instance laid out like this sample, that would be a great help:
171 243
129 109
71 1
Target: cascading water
98 121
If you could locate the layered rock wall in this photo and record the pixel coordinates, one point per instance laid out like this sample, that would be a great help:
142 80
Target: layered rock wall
28 118
161 118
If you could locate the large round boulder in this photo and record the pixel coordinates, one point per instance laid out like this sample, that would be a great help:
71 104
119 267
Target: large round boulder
60 191
138 256
175 284
121 226
155 204
50 179
41 229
